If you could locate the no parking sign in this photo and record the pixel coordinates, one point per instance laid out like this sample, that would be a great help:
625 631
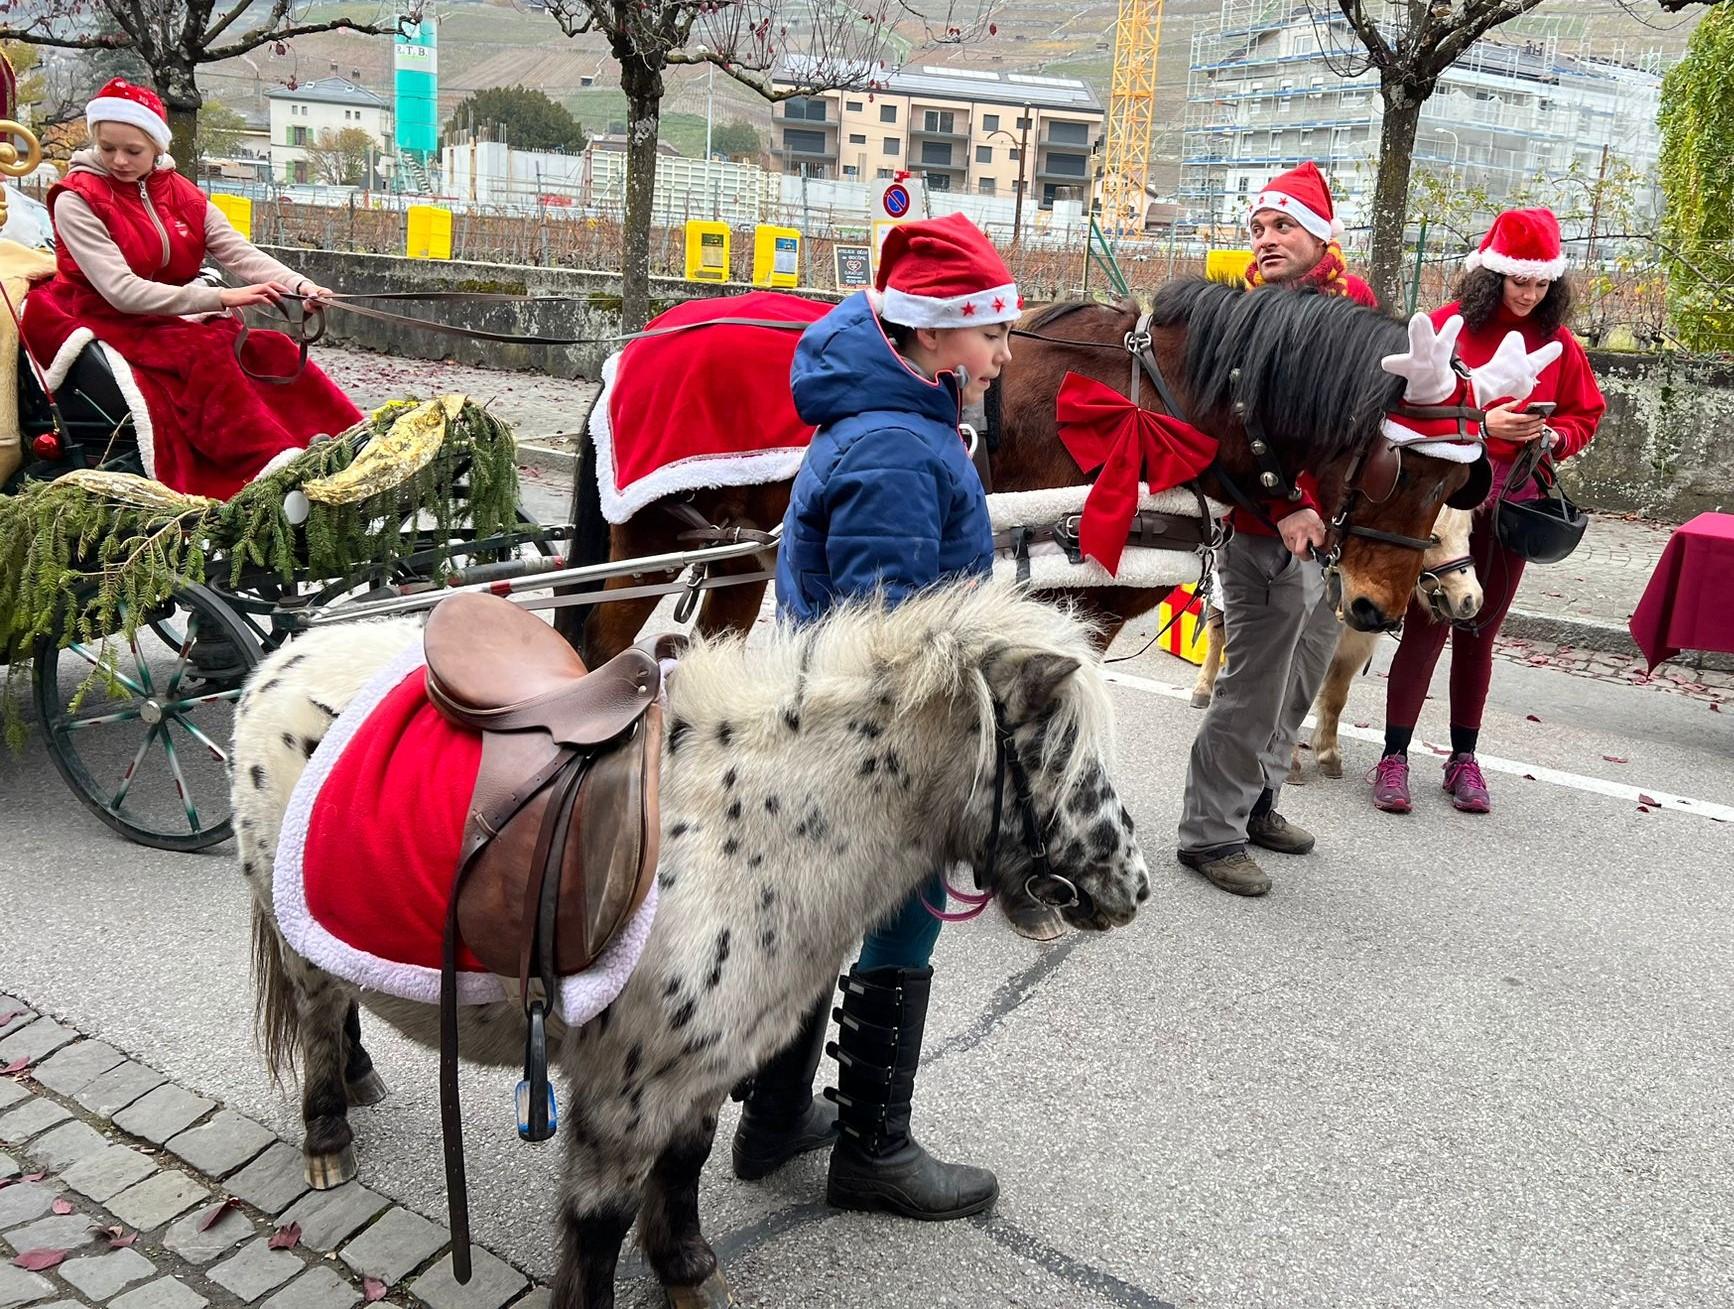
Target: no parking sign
895 201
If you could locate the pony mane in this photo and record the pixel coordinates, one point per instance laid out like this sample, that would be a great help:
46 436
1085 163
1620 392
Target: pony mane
867 657
1308 363
1127 308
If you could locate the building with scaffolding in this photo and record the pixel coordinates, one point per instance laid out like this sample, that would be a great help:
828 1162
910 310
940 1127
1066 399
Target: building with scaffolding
1276 82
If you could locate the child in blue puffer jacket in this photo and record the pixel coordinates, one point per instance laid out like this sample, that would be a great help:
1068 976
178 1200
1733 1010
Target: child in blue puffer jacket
886 499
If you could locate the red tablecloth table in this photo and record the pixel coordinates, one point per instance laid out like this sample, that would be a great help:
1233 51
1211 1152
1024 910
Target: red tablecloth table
1689 603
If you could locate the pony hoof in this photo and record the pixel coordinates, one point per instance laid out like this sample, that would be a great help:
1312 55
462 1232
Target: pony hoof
368 1090
712 1293
1296 776
1330 767
327 1172
1201 699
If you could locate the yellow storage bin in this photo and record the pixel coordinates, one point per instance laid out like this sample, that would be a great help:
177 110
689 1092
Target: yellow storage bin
238 209
776 256
430 232
707 251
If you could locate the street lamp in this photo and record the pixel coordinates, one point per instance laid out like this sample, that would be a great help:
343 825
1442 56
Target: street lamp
1023 140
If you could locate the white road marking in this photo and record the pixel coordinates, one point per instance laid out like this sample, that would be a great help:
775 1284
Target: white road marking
1655 799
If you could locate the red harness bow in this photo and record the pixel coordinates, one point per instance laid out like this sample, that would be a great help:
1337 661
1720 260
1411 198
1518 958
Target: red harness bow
1102 429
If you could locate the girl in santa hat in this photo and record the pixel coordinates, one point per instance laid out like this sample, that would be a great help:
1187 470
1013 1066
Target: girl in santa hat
886 501
131 236
1514 282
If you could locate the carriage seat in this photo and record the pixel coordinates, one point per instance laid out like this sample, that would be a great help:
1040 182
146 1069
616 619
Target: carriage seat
560 837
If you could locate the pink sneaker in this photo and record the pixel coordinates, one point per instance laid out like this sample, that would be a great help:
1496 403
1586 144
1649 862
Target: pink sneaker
1467 786
1390 779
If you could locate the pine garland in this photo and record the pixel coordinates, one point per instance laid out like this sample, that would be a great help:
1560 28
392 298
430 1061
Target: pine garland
87 555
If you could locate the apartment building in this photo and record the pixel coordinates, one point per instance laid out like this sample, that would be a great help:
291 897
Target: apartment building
961 129
329 104
1262 97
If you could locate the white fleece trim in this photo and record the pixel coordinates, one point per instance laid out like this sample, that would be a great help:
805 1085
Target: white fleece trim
1309 218
1454 452
697 472
582 995
67 355
114 109
1552 269
279 460
909 310
1142 567
135 403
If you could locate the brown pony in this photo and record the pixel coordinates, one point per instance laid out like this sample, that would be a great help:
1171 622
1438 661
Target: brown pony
1226 353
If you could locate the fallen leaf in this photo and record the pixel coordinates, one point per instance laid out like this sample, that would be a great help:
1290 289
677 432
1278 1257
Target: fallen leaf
1643 809
216 1215
121 1240
1615 759
32 1177
10 1014
1529 777
1532 718
1715 708
62 1206
1649 800
372 1289
15 1067
285 1238
37 1261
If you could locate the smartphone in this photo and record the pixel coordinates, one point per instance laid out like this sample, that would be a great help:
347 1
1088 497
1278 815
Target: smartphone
1541 409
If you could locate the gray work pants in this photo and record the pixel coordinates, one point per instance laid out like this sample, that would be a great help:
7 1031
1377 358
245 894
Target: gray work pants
1281 634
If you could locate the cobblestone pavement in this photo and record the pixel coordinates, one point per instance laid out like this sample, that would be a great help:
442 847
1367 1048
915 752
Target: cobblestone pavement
1583 602
119 1188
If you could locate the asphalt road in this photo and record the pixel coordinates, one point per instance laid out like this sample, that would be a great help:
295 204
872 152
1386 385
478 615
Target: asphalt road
1449 1060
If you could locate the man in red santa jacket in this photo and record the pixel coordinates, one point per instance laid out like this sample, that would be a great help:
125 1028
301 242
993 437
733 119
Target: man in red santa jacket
1280 630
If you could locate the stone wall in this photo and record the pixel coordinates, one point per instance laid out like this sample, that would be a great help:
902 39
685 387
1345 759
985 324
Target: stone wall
592 312
1661 451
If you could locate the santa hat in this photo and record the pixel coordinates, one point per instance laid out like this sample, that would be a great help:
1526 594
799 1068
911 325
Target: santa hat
943 272
1521 243
1305 196
122 102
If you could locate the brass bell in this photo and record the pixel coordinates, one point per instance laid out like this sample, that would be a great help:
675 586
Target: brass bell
1267 481
1239 407
1259 447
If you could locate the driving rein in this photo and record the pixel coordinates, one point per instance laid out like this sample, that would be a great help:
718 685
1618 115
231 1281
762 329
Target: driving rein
1374 475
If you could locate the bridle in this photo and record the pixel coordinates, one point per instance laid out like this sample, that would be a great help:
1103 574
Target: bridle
1432 584
1043 884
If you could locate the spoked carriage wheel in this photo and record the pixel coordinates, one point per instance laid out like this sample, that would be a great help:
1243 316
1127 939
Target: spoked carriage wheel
140 730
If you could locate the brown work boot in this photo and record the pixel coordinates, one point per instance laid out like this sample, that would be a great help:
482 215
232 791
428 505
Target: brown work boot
1232 870
1274 832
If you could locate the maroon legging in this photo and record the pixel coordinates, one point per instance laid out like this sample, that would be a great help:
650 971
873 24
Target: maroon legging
1499 572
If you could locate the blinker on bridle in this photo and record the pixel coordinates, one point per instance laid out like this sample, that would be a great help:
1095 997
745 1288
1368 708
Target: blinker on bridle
1044 884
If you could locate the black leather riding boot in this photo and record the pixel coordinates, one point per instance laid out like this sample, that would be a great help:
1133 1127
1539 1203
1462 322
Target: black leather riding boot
779 1117
876 1164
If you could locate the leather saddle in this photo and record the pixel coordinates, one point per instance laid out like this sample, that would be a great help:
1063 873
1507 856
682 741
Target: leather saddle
560 839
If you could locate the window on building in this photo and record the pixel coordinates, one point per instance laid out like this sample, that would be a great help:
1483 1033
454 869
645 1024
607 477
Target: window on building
937 153
984 154
800 142
885 174
1061 133
893 145
935 120
1023 123
888 113
990 122
937 181
806 108
1016 154
985 186
1061 164
857 138
849 170
1245 185
297 136
853 106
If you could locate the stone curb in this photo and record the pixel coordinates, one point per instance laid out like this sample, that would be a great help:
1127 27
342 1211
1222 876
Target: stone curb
548 459
1608 638
125 1178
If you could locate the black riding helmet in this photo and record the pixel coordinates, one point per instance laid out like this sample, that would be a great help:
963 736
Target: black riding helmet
1542 531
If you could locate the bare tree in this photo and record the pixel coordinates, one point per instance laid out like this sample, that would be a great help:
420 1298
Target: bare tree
173 37
1411 43
779 52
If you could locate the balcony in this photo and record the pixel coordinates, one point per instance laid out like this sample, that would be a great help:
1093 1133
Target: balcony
923 134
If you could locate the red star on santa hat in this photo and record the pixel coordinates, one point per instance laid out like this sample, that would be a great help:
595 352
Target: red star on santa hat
1020 302
969 309
998 303
1282 203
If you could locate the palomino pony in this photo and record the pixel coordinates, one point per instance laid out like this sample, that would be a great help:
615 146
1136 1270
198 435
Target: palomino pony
808 785
1236 360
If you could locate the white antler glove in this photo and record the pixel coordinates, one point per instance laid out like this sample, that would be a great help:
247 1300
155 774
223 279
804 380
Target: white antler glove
1512 372
1427 365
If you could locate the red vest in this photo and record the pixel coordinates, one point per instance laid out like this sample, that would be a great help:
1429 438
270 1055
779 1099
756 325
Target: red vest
163 241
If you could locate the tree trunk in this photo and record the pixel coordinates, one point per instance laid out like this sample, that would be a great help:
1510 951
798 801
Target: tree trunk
181 97
642 84
1391 188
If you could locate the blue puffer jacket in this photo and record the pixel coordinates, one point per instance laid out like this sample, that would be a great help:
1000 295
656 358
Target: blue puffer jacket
887 495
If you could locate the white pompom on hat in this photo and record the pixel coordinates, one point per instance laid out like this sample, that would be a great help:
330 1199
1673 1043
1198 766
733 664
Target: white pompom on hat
1305 196
943 272
1521 243
123 102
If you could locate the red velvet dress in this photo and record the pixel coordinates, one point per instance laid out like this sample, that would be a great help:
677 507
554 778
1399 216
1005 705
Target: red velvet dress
207 428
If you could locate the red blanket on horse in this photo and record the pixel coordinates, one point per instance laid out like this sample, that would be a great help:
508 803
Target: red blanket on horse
370 844
204 426
705 407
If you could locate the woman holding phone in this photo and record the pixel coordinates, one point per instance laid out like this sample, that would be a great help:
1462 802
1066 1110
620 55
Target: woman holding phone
1514 282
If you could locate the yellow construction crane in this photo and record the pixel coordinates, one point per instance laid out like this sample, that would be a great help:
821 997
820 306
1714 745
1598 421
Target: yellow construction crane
1131 117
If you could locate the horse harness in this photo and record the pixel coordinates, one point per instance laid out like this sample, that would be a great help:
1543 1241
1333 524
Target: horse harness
1043 884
